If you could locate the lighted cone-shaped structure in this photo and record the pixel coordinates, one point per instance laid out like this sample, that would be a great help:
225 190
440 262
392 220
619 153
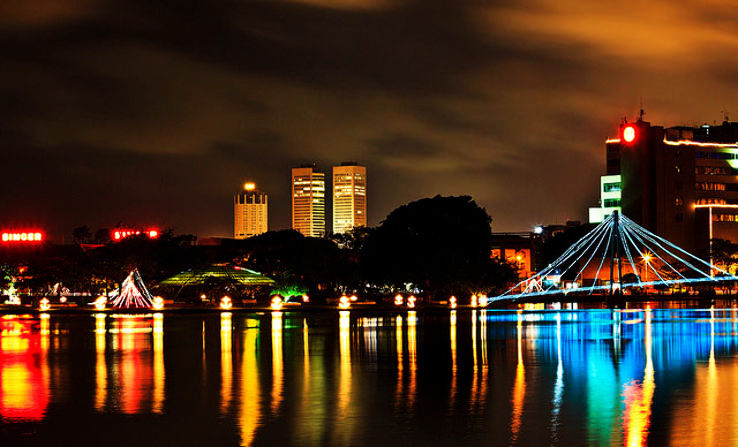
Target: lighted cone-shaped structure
616 255
133 293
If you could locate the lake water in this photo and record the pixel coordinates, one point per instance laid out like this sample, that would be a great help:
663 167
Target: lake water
362 378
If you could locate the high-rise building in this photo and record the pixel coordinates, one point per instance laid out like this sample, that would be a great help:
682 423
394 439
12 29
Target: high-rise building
308 201
678 182
250 212
349 197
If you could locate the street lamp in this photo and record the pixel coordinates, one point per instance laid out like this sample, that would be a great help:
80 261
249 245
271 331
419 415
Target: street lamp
646 260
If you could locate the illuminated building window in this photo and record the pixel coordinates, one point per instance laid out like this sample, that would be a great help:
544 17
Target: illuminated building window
708 186
611 187
678 201
721 217
717 155
715 170
710 201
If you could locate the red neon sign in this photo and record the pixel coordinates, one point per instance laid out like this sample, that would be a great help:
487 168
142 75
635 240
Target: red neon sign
25 236
122 234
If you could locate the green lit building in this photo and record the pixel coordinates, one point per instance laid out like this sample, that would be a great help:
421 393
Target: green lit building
217 280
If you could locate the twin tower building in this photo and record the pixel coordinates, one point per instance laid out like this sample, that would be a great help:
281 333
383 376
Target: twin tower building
308 202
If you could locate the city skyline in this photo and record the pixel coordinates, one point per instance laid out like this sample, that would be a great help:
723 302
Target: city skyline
112 118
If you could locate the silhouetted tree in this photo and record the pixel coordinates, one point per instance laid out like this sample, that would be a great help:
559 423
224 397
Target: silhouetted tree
440 245
81 234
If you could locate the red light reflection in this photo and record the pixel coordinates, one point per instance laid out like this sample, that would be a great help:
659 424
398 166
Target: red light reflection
24 373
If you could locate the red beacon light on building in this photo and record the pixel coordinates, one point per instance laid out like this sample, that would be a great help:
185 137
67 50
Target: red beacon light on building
22 237
629 133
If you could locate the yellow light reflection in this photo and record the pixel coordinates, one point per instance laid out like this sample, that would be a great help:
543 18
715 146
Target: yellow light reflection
277 361
343 421
226 361
101 368
474 391
306 350
412 345
250 398
638 397
709 416
518 397
157 395
369 326
44 331
452 335
399 340
306 362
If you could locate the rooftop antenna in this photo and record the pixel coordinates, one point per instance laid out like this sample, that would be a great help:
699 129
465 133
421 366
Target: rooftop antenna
641 112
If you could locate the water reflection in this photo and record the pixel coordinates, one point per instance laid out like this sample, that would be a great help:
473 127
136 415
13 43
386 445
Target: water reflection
399 340
412 346
226 361
518 391
638 396
277 362
343 423
24 370
558 386
250 396
157 394
101 366
553 377
452 336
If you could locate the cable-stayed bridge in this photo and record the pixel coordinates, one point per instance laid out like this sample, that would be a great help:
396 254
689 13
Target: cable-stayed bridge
617 255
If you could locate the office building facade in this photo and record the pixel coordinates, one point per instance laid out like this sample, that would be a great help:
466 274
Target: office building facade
349 197
679 182
308 201
250 212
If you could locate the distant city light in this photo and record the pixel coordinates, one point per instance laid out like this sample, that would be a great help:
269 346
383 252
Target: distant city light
629 134
100 302
157 303
124 233
249 186
26 236
226 302
276 302
538 229
399 300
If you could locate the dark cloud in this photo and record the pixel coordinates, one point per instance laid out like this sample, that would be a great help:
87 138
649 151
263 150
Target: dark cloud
156 112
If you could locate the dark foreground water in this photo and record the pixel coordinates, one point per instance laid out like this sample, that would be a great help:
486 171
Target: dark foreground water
661 377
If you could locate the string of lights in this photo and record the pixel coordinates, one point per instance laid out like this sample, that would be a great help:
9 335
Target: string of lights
133 293
620 241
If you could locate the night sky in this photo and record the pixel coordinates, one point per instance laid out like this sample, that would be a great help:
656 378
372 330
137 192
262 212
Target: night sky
154 112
